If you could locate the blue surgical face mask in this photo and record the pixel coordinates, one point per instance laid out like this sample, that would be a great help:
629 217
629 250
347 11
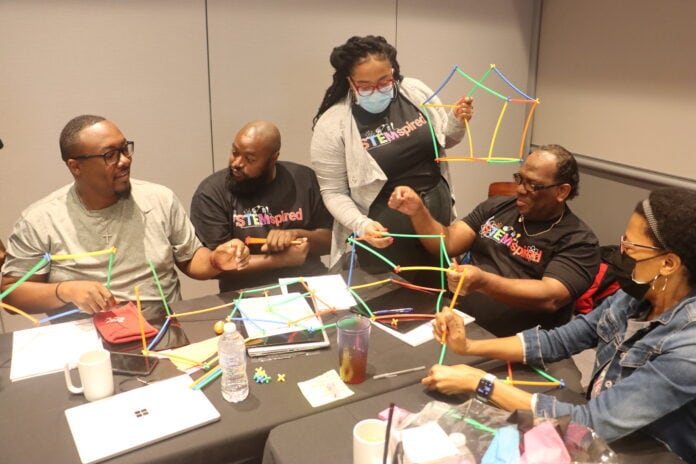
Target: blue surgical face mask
377 102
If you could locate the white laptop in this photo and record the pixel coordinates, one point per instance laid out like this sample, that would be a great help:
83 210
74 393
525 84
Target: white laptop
130 420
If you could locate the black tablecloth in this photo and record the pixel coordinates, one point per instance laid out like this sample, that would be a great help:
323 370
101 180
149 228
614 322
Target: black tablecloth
33 427
327 436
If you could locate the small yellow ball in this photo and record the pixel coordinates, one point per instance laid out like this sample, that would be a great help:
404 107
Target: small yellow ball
219 327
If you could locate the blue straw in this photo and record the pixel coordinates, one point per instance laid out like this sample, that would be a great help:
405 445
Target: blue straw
352 261
56 316
159 336
442 86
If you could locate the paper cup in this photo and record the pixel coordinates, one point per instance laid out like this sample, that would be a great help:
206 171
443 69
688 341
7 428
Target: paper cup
368 441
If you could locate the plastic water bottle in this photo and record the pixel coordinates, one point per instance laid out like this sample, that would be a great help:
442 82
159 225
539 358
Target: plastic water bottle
232 353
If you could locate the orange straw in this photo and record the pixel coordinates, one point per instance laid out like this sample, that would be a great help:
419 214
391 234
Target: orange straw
261 241
140 318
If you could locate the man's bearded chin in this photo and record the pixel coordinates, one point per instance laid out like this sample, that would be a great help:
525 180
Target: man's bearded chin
125 193
243 186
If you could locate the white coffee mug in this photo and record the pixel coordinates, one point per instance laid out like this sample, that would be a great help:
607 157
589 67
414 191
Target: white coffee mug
368 441
95 375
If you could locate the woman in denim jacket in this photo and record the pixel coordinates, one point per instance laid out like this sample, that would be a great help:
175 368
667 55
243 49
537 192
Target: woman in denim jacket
644 375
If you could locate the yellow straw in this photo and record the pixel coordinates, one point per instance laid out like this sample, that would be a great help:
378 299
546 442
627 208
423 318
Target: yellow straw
82 255
526 127
497 126
435 105
140 318
423 268
199 311
468 136
457 290
320 313
202 378
180 358
19 311
379 282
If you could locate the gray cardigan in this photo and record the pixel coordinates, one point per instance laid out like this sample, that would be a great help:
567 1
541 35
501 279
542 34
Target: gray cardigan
349 177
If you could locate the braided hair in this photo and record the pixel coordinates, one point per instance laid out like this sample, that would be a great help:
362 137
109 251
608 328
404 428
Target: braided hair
345 57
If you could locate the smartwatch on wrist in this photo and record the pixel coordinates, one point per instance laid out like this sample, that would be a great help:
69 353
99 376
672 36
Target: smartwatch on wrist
485 387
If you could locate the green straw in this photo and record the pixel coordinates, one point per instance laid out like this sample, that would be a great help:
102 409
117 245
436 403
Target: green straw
438 304
108 270
472 422
480 84
210 378
393 266
31 272
164 300
432 134
545 375
479 426
263 289
327 326
389 234
443 350
362 302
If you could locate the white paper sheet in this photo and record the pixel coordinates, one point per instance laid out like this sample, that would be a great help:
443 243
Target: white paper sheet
420 334
331 291
324 389
44 350
277 314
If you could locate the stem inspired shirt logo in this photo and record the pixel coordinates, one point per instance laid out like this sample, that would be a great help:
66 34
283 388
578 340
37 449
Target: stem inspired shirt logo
261 216
507 236
386 133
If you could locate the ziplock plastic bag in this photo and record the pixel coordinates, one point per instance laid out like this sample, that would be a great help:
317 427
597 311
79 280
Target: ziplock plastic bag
480 422
582 444
475 420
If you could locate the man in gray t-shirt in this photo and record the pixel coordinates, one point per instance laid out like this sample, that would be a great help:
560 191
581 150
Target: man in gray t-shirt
102 211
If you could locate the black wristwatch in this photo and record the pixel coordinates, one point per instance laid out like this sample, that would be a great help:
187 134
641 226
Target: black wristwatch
484 390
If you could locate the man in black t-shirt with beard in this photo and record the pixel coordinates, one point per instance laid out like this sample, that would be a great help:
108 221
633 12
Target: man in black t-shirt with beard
531 257
261 197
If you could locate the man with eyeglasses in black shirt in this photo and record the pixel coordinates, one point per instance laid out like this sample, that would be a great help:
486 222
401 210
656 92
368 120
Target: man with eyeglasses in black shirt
530 256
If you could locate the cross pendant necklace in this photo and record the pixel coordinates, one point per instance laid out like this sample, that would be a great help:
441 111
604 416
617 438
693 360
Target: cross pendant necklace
107 236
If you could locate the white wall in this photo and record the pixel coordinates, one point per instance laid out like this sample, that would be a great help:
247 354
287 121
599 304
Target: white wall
616 81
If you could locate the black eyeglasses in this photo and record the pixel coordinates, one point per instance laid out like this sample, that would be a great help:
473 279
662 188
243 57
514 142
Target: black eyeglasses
112 157
529 187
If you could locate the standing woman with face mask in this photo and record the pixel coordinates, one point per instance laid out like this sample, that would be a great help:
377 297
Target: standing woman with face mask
371 135
644 375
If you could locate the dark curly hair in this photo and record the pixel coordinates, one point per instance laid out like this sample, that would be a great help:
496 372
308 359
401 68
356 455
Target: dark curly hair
674 213
69 134
566 167
345 57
